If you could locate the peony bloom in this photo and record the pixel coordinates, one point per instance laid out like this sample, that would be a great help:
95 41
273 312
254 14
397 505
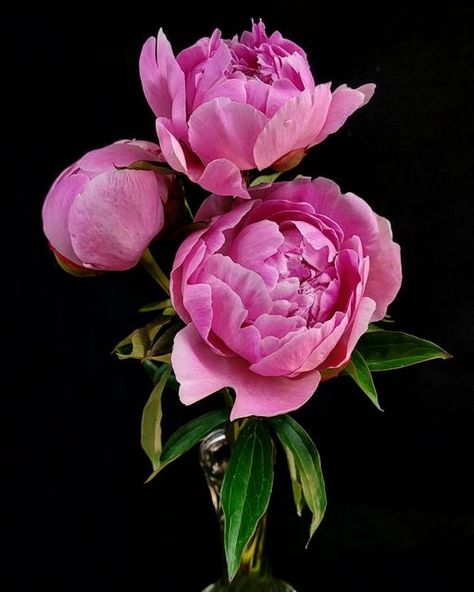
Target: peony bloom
276 292
227 106
99 218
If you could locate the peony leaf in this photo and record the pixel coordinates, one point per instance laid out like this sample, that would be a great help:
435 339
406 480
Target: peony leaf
151 420
388 350
265 179
246 489
358 370
189 435
300 450
162 305
152 342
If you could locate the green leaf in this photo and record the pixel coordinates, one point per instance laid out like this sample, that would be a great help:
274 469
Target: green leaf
151 420
295 482
388 350
358 370
264 179
152 342
189 435
246 489
302 453
163 304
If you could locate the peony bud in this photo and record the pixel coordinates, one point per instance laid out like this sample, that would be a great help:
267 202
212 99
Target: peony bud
99 216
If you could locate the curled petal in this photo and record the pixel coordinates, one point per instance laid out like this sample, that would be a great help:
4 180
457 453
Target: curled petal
294 126
345 101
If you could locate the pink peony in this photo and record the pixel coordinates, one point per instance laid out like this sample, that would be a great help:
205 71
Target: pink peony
99 218
227 106
276 291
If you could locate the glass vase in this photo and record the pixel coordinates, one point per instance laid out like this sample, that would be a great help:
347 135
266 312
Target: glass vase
254 574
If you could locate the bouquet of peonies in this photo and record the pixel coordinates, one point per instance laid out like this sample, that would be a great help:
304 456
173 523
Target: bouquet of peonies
275 286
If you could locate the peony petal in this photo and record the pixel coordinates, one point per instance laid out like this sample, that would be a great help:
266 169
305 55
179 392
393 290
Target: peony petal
294 126
115 218
292 356
345 101
223 129
269 396
115 155
202 372
199 370
163 82
223 177
255 243
213 205
173 152
385 276
245 283
360 322
56 210
228 316
192 249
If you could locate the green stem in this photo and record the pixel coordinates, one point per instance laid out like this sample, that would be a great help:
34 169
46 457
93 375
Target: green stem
152 267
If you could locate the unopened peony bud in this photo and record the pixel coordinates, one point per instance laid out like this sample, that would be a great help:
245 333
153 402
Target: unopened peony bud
99 216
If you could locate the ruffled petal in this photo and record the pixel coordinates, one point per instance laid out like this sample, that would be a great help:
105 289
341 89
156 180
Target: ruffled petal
202 372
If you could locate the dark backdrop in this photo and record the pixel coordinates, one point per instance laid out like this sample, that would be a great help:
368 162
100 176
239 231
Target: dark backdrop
400 496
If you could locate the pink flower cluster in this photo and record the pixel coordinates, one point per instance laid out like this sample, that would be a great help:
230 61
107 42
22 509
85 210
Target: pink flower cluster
280 281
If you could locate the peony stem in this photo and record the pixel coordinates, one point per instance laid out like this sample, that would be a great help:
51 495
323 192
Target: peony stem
152 267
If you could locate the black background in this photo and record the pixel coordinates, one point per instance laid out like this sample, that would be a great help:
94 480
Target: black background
400 494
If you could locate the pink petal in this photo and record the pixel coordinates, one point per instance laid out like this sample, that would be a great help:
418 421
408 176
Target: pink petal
353 214
172 150
213 205
342 352
245 283
316 342
201 372
344 102
294 126
269 396
56 210
192 249
115 218
223 177
119 154
223 129
255 243
385 276
163 81
228 316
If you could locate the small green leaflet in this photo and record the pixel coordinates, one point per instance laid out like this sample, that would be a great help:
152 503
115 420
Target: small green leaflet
358 370
162 305
151 420
305 467
263 179
388 350
246 489
188 436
